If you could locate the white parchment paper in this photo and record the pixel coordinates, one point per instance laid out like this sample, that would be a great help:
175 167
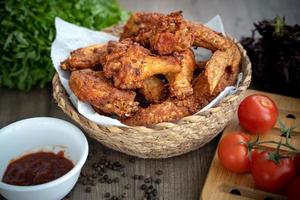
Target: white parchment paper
70 37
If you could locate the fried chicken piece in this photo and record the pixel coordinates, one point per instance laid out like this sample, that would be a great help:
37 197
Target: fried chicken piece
129 64
165 34
153 89
169 110
92 87
83 58
180 83
226 53
174 109
140 27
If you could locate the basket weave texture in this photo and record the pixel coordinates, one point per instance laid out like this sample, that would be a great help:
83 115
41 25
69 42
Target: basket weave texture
165 139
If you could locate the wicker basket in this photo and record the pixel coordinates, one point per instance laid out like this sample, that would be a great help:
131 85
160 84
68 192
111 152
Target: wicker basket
164 139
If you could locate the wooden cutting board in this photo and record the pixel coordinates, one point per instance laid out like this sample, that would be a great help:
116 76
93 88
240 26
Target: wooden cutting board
223 184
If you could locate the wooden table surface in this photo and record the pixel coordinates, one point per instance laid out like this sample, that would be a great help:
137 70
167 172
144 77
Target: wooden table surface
183 176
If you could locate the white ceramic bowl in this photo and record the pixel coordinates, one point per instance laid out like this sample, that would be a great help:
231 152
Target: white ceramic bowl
46 134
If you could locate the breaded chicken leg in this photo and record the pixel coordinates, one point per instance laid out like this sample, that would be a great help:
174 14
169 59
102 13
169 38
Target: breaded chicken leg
87 57
180 83
129 64
92 87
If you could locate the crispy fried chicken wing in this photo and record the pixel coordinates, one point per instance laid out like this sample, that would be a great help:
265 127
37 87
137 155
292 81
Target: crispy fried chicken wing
169 110
129 64
92 87
165 34
140 27
226 53
180 83
83 58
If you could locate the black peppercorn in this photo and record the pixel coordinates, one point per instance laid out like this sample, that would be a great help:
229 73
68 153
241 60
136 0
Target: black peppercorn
143 187
109 181
105 177
88 189
135 177
107 195
159 172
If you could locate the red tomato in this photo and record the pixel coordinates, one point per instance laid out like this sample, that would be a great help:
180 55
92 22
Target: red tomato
268 175
233 152
297 163
294 190
257 113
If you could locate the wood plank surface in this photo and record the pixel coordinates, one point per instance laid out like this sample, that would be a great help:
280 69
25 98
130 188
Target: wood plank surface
221 182
184 175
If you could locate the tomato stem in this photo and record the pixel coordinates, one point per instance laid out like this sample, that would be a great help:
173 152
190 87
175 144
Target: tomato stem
283 153
276 155
273 142
286 132
251 145
278 146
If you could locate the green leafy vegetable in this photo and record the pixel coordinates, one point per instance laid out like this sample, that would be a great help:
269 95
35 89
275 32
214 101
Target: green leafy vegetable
27 31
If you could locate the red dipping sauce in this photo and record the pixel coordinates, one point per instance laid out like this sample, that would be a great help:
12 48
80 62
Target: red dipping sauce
37 168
